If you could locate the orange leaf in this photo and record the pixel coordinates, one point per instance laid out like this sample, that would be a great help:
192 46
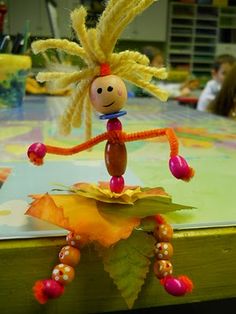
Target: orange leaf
44 207
81 215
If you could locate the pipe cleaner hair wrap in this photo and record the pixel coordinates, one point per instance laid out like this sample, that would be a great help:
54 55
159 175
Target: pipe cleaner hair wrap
100 85
105 69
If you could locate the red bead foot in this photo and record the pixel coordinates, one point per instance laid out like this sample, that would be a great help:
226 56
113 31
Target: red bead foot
36 153
47 289
117 184
177 286
180 168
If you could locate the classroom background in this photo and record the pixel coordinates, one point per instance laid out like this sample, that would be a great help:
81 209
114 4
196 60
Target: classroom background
190 34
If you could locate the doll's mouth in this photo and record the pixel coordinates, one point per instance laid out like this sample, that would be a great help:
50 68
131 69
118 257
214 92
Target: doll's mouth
109 104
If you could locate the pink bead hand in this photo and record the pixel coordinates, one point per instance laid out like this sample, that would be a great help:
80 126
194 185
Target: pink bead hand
180 168
36 153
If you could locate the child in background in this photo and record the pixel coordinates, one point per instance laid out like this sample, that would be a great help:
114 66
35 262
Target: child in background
225 102
154 55
175 89
220 69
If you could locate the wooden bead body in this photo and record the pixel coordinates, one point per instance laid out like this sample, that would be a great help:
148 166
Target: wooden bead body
115 158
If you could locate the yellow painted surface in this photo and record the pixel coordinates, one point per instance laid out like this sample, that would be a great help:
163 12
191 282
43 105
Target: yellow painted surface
10 63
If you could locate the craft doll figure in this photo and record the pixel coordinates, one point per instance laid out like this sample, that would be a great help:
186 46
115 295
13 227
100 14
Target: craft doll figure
108 94
100 85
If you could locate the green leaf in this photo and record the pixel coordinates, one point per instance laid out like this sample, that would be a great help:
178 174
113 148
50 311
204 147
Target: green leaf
147 224
128 264
141 208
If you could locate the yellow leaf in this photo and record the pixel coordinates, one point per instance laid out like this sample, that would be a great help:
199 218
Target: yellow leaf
129 195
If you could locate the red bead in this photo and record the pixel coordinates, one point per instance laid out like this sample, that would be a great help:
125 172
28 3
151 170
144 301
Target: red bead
175 286
114 125
117 184
36 153
179 167
39 149
52 289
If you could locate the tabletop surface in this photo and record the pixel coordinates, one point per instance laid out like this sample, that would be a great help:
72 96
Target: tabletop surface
208 142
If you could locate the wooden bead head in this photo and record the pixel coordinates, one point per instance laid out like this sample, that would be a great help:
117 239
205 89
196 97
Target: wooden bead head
108 94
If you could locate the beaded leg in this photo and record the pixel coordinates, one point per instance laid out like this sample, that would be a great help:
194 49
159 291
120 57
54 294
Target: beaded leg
163 268
62 273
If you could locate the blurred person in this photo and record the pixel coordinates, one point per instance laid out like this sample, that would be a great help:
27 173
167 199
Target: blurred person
156 59
175 89
225 102
221 67
155 56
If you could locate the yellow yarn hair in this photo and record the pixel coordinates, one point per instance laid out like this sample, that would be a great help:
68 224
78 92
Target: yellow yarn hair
97 45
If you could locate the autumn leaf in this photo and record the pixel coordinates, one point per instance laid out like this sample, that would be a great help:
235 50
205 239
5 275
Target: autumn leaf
128 264
101 215
142 208
129 195
81 215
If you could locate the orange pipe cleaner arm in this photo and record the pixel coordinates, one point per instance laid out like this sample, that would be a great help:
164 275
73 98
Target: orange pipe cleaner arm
172 138
78 148
117 136
177 164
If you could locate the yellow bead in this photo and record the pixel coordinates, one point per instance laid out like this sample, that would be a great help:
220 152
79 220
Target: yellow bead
76 240
163 250
69 255
163 233
63 274
162 268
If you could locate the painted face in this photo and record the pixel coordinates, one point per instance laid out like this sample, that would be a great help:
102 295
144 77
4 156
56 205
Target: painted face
108 94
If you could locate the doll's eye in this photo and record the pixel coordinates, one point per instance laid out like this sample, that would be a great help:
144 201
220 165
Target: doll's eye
109 88
99 90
